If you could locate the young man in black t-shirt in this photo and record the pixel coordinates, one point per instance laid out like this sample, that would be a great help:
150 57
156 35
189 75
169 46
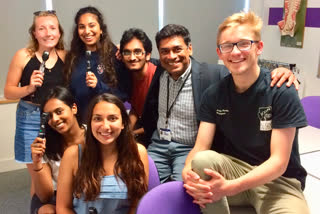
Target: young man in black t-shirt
258 164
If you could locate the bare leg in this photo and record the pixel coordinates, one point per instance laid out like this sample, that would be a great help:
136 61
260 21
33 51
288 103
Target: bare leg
30 169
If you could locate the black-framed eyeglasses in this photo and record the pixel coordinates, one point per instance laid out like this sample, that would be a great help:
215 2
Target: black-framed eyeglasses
136 52
37 13
243 45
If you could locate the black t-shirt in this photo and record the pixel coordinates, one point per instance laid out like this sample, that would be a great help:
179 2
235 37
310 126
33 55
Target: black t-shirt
246 119
52 77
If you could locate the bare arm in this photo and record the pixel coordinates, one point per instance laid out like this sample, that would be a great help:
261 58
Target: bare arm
68 168
274 167
41 173
12 89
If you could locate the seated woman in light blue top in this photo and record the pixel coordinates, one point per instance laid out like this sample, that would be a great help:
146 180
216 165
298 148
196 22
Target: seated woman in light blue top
112 174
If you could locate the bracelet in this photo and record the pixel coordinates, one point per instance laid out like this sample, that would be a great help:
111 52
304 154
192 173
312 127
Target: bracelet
37 170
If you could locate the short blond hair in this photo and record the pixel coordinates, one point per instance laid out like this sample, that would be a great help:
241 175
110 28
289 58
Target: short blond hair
241 18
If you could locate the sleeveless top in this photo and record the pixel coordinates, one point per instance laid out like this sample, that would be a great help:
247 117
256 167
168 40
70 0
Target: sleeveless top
52 78
54 165
112 198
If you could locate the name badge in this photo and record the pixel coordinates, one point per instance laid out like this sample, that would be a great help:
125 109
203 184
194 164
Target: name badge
165 134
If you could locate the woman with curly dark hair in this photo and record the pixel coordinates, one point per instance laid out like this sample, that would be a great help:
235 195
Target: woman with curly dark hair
110 173
92 50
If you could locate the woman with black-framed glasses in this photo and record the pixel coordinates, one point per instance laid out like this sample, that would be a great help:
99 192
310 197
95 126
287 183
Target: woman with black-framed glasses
31 74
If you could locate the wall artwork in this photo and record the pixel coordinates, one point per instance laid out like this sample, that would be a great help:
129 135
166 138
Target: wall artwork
293 23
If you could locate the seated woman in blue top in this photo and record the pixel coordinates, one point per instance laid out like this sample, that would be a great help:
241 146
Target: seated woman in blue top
110 173
99 71
62 130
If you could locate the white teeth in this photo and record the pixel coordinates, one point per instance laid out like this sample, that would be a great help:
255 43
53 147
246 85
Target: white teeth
236 61
105 134
59 125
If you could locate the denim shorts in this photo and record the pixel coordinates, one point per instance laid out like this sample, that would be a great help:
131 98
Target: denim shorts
36 204
27 128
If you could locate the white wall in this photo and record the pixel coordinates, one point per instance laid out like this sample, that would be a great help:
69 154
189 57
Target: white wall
7 121
14 14
307 58
202 18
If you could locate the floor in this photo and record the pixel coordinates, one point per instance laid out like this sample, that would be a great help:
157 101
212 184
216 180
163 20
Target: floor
14 192
15 185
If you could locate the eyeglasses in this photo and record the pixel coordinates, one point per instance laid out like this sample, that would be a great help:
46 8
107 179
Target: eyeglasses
136 52
243 45
37 13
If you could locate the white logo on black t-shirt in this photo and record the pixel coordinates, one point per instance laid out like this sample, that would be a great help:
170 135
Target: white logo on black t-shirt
265 116
222 111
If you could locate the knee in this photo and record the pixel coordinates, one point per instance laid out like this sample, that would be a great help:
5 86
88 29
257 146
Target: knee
204 160
47 208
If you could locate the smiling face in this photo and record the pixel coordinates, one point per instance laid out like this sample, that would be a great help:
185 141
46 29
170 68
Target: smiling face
240 62
106 122
47 31
132 62
175 55
61 116
89 30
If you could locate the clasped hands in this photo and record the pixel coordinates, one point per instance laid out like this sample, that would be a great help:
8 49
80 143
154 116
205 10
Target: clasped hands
204 192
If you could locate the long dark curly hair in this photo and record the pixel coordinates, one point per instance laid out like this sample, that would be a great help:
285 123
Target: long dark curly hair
128 167
104 49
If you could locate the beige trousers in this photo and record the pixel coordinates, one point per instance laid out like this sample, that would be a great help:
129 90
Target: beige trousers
281 196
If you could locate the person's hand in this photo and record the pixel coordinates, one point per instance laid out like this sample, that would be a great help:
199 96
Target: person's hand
280 75
118 54
91 79
219 186
210 191
194 188
36 80
38 148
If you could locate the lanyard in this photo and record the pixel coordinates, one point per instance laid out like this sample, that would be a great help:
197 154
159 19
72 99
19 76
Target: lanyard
169 108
